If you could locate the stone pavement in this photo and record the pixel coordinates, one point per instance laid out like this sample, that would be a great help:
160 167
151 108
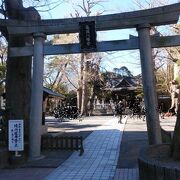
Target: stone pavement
134 138
105 156
99 161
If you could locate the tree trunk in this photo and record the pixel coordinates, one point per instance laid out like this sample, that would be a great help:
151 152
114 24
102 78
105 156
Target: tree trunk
176 135
84 90
91 103
18 78
80 80
176 138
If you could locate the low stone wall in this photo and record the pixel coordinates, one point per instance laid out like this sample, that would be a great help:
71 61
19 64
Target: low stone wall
155 164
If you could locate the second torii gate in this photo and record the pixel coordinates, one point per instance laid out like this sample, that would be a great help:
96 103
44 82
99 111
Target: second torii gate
141 20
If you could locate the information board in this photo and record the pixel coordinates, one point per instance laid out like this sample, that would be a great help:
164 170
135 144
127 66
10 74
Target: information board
16 135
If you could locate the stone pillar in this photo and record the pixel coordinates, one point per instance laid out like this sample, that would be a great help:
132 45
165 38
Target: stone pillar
148 79
36 98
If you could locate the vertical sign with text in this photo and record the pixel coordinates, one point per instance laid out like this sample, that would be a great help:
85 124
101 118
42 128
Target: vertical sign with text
16 135
87 35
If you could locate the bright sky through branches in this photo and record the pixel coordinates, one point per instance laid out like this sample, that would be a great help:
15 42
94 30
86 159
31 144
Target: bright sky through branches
130 59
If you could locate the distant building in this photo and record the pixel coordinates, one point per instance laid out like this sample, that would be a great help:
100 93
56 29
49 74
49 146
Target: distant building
122 86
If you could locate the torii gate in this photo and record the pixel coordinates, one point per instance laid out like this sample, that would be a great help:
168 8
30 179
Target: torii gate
141 20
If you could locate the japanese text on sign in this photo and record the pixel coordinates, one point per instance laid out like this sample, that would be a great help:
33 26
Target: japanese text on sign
16 135
87 35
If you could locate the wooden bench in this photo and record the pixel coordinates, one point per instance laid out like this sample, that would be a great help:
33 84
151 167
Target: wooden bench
62 143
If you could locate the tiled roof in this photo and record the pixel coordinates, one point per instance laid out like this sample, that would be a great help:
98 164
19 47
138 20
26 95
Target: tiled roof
52 93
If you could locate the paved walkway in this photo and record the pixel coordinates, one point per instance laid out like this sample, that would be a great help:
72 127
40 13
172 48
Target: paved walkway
127 174
102 148
100 157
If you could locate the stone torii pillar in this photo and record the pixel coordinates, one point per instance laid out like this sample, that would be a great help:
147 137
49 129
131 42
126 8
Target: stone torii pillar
148 80
36 98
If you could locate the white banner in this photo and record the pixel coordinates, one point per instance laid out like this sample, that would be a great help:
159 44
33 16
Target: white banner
16 135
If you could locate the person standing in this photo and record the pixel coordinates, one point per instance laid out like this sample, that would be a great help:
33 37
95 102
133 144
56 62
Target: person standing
175 96
119 111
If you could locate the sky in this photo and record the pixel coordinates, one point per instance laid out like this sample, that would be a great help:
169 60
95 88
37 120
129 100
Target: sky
109 7
111 60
